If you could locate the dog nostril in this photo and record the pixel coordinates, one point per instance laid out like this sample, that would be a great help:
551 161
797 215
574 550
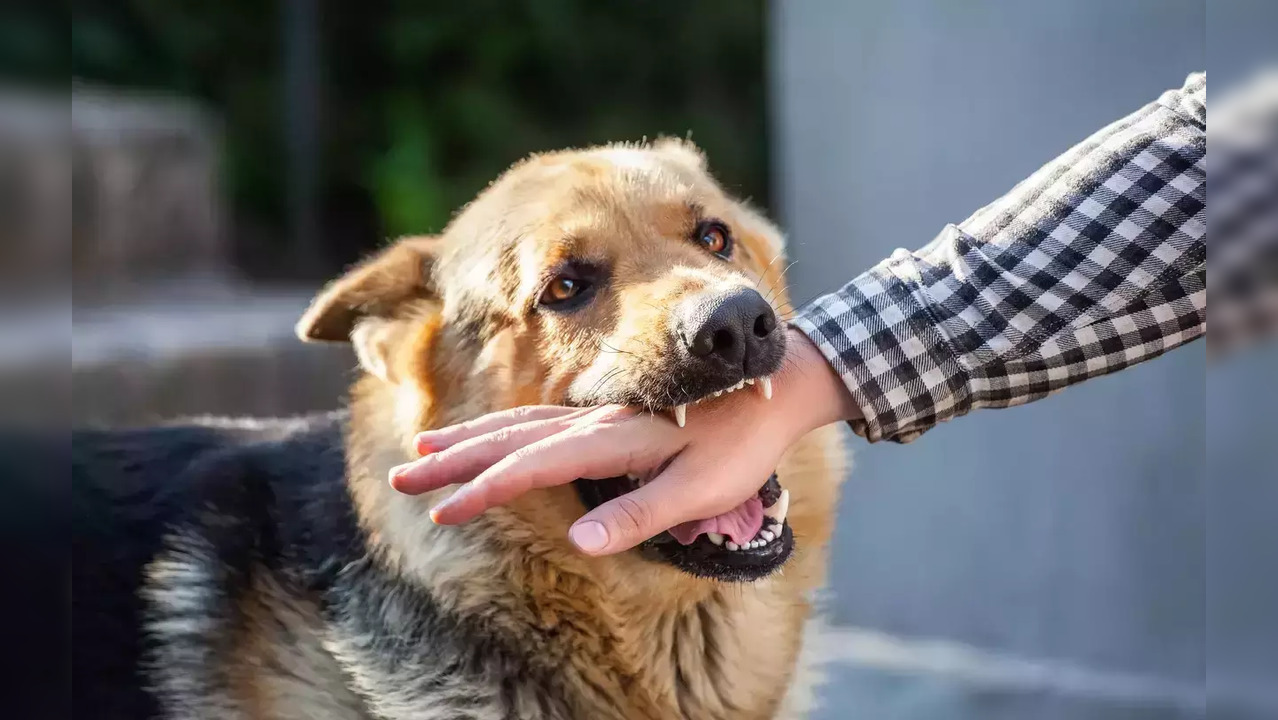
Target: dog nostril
764 325
724 340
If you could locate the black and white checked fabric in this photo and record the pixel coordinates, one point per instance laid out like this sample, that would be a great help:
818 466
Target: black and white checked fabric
1243 165
1095 262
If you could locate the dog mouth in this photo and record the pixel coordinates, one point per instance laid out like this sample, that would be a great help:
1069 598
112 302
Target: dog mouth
744 544
764 385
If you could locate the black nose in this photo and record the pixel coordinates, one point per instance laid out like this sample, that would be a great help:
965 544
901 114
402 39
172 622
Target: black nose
737 328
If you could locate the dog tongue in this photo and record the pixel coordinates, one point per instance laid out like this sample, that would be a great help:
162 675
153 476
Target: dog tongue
741 524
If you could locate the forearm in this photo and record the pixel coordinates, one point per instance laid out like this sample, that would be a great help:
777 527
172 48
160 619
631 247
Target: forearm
1094 263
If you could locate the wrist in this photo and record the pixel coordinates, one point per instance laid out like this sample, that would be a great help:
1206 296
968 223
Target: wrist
814 393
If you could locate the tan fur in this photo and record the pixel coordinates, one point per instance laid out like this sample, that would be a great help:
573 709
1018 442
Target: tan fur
632 638
280 668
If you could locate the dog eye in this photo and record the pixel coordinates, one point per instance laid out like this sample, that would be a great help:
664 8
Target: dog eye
714 237
563 289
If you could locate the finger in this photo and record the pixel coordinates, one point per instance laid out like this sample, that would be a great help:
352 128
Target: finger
464 460
595 451
436 440
678 495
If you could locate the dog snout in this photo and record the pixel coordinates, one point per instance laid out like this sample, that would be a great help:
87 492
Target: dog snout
737 329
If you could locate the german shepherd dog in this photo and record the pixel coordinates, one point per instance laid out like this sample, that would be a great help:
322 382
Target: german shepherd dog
265 569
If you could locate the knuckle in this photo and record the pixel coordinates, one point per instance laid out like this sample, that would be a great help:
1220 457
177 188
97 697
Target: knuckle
501 436
606 414
633 516
523 412
520 457
617 413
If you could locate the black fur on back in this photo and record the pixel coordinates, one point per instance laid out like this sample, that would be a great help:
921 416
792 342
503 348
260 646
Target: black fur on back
132 487
260 496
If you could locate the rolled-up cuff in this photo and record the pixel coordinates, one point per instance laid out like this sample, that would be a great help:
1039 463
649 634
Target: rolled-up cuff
881 340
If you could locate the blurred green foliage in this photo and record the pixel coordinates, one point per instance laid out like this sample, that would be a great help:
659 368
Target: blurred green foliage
424 102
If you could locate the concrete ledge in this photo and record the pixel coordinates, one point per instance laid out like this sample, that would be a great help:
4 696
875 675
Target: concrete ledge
187 353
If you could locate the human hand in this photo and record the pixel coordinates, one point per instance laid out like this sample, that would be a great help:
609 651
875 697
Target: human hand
728 449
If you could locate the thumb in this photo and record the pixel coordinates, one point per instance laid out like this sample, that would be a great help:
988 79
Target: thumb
671 498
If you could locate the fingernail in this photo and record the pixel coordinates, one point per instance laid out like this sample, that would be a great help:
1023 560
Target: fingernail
448 502
590 536
395 474
442 506
422 445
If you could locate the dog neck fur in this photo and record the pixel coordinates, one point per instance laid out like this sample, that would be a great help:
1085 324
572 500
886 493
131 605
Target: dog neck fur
692 648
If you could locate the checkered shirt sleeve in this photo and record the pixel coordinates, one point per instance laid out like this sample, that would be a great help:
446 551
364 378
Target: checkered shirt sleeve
1095 262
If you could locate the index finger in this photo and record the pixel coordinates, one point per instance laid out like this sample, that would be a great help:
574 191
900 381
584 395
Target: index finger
632 445
433 440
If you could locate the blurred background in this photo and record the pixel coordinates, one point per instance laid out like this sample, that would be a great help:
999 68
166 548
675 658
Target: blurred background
1049 561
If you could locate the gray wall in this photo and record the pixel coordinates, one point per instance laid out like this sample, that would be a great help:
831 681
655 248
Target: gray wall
1068 531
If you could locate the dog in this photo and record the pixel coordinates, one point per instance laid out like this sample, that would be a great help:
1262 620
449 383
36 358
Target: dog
265 569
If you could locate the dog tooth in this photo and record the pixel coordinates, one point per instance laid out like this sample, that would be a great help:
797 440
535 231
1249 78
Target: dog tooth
732 546
766 385
768 536
681 415
749 381
717 393
778 510
715 538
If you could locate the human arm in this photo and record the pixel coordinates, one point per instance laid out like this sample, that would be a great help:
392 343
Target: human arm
1094 263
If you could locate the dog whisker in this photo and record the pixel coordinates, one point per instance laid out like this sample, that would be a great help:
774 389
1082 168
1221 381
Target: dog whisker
597 389
766 268
604 346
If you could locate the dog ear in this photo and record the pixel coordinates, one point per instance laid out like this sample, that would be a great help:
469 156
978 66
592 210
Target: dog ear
355 307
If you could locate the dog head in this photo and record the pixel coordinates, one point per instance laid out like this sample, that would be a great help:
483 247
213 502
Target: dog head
618 274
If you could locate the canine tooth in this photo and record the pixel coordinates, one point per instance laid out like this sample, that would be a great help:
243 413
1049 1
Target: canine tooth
766 385
681 415
778 510
715 538
768 536
732 546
